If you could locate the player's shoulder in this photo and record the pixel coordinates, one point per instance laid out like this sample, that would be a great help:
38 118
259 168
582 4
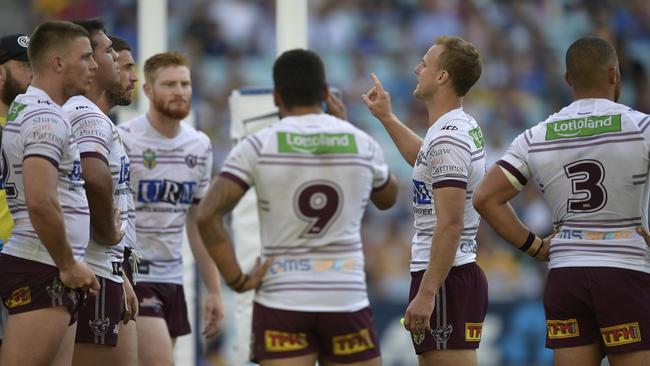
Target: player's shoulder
196 136
34 107
132 125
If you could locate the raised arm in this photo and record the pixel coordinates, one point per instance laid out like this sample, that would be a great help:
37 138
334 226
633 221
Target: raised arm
378 101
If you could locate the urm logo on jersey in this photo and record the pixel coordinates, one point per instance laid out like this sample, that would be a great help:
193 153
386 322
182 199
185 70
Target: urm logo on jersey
168 191
421 194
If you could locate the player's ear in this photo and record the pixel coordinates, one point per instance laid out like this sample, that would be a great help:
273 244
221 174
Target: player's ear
443 77
3 75
277 98
326 92
613 75
56 62
566 78
147 89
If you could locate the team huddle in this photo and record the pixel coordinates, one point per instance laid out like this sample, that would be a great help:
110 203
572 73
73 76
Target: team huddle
93 225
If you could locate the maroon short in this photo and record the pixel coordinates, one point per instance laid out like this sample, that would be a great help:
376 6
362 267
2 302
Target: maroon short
29 285
343 337
167 301
460 308
99 319
608 305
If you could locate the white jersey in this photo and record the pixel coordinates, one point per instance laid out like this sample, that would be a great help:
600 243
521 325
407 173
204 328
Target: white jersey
452 155
36 126
590 161
169 175
313 175
97 136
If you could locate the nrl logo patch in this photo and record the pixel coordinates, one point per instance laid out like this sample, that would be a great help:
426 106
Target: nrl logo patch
99 326
149 158
191 160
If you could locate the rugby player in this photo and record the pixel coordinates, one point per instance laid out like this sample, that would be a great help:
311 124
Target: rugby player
171 167
448 296
590 160
105 171
314 175
15 76
42 269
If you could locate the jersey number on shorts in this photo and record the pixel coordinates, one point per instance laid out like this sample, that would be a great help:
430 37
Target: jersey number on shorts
586 180
318 202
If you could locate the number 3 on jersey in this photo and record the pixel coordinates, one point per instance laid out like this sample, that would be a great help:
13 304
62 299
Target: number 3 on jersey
586 179
318 202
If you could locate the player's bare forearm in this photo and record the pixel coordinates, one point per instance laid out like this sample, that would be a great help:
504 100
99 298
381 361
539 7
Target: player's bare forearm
207 267
408 142
41 195
221 198
491 200
450 208
99 191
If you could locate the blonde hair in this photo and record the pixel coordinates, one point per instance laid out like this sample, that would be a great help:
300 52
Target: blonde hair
462 61
165 59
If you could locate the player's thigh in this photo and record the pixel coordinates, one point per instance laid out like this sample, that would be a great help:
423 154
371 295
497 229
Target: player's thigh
587 355
372 362
127 345
304 360
630 359
64 355
154 343
449 357
94 354
20 336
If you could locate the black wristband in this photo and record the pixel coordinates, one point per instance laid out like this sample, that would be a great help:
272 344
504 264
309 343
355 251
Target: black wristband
538 249
234 282
241 285
529 241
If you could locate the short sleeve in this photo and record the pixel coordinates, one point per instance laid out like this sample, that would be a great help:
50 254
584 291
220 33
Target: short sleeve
515 161
93 134
380 173
206 164
240 163
45 134
449 158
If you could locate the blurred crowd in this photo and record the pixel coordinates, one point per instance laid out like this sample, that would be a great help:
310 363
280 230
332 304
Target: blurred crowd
232 44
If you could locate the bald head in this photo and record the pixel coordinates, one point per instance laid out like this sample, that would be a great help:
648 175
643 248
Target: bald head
588 61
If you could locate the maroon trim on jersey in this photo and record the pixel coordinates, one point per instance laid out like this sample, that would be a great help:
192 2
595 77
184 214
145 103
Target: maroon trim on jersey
93 154
235 179
520 177
382 186
54 162
449 183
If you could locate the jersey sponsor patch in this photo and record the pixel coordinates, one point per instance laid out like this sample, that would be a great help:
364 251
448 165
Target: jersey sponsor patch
421 194
558 329
276 341
15 110
166 190
319 143
619 335
583 127
19 297
348 344
477 135
473 332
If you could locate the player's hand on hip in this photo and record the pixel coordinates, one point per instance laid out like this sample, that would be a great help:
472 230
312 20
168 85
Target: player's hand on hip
254 277
213 314
418 314
378 100
335 107
544 252
79 276
131 304
644 234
